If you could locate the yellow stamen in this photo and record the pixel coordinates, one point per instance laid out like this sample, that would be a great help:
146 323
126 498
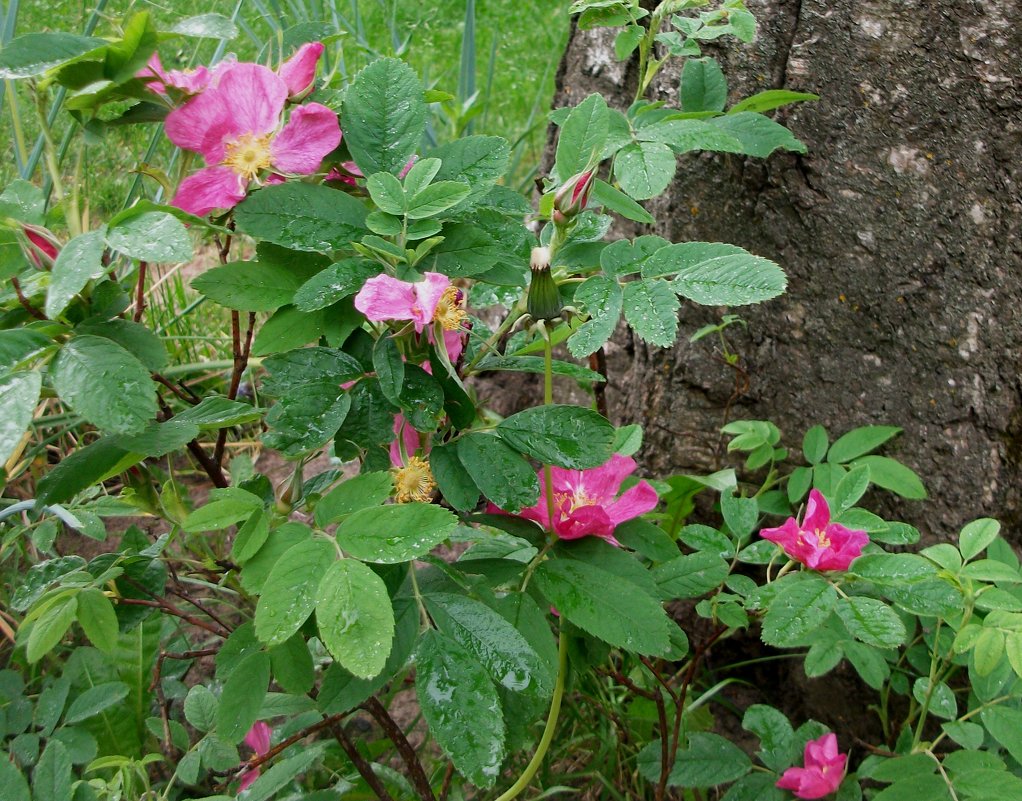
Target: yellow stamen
449 311
414 481
823 539
248 155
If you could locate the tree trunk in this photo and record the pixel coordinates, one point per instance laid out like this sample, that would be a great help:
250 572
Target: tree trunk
899 232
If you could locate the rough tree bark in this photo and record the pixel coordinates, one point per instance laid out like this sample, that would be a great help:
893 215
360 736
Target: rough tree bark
899 232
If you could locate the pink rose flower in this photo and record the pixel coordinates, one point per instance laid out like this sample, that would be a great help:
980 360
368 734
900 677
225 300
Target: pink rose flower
434 299
42 246
586 502
258 739
816 542
299 71
824 769
236 124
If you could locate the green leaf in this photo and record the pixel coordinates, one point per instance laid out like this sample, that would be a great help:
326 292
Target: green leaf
396 533
384 116
242 697
602 298
14 784
454 481
77 263
651 309
493 641
355 617
303 216
20 345
359 492
51 779
690 576
603 194
292 665
291 371
500 472
770 99
627 40
760 136
684 136
287 330
436 198
217 412
387 193
200 708
96 700
736 280
249 285
51 626
703 86
98 619
35 53
461 706
623 258
479 161
105 384
942 699
668 260
251 537
389 367
154 236
340 280
644 169
582 136
815 444
135 338
599 603
860 441
567 436
708 760
894 476
222 512
975 537
280 775
19 393
798 608
23 201
289 593
466 250
1005 726
775 735
304 421
872 622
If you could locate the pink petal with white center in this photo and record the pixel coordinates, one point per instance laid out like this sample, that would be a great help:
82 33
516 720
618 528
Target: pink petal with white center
299 71
310 134
385 298
245 99
633 502
210 188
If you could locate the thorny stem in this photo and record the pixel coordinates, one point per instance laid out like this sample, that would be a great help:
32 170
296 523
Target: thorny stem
25 303
241 354
551 723
404 748
140 292
364 768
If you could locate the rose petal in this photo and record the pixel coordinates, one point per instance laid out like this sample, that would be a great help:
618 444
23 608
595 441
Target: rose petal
210 188
385 298
310 134
299 71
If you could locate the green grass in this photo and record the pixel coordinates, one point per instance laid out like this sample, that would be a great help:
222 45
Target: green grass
517 45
